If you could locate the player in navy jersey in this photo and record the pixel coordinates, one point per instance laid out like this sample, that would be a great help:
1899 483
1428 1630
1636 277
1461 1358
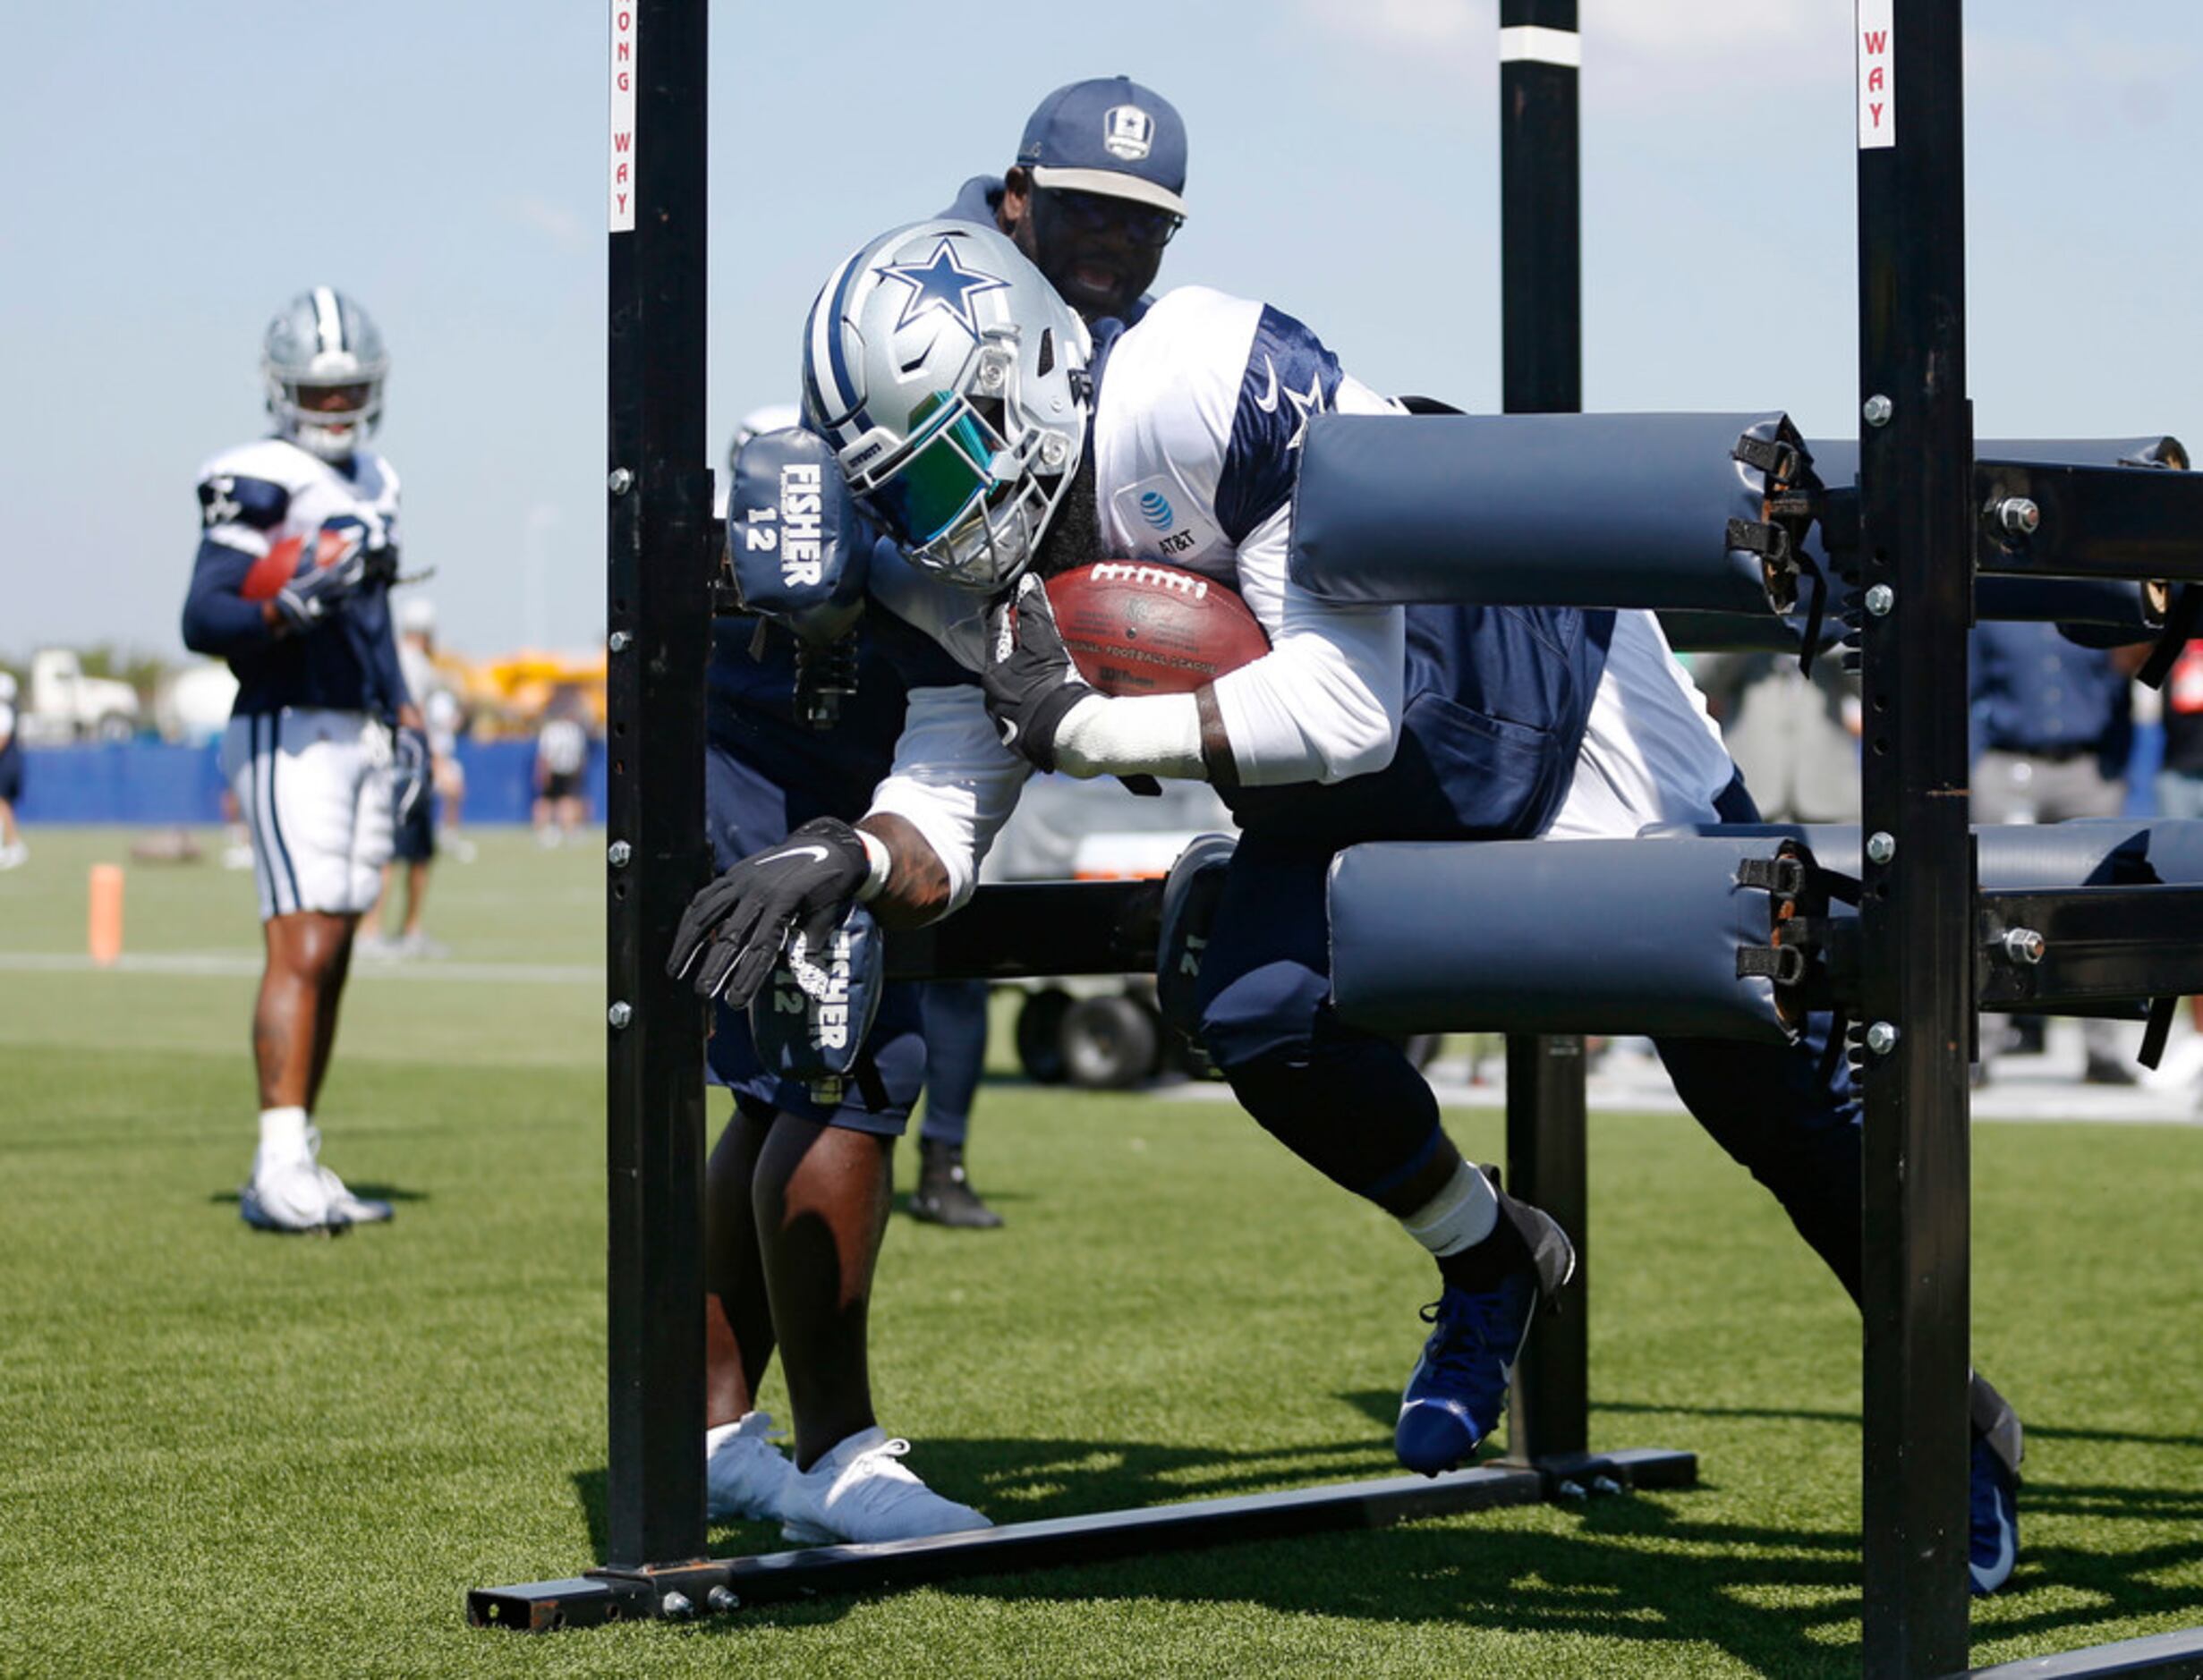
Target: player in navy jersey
1095 196
972 416
298 549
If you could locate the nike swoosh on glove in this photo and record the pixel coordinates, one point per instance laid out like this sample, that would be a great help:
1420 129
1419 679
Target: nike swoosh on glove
731 934
316 594
1029 680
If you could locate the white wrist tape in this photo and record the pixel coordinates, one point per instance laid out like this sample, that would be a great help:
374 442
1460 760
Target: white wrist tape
878 861
1133 735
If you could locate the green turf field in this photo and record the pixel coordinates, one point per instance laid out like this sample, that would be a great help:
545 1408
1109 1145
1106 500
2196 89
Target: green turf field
230 1453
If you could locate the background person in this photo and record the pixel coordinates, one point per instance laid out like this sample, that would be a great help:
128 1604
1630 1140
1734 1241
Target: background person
414 845
444 717
298 546
1096 192
1794 737
2052 725
13 852
1095 196
561 764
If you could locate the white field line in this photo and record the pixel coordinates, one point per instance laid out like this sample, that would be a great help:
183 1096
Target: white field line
246 964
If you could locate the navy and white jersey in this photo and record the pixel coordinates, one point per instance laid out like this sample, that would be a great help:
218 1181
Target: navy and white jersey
264 509
1361 722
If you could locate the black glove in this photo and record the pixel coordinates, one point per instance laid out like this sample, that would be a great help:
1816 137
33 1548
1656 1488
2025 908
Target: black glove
737 924
312 596
409 770
1031 683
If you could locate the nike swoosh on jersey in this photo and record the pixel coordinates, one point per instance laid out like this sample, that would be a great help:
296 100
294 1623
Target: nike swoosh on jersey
796 851
1268 401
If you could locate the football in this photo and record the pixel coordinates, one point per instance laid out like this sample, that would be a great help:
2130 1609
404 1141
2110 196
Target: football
289 558
1134 627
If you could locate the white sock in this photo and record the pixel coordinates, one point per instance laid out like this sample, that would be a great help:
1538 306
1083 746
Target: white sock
1459 1217
283 1135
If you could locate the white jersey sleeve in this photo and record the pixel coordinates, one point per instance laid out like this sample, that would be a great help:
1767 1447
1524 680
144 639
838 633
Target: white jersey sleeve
953 780
1197 436
1650 752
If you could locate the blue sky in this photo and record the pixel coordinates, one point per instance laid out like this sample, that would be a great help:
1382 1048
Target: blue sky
179 171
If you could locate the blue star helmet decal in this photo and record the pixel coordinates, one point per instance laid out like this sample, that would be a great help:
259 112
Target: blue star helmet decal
943 283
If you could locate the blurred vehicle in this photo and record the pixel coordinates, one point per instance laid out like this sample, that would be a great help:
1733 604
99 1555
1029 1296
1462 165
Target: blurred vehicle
192 704
1100 1031
66 705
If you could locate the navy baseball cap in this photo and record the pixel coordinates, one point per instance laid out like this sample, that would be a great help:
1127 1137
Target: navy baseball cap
1110 136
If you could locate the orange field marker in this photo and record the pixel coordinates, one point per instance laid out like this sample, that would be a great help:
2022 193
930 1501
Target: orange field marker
104 932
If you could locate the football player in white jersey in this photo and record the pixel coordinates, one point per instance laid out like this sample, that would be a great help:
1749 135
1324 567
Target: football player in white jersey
298 549
972 416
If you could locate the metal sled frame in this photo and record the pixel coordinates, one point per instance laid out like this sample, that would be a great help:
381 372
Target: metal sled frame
1923 541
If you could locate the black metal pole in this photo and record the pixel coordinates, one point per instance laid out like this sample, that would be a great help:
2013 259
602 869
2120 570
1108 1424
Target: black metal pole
1917 559
1541 221
658 621
1541 268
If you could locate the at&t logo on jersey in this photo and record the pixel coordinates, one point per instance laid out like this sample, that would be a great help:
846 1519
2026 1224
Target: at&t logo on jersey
1166 508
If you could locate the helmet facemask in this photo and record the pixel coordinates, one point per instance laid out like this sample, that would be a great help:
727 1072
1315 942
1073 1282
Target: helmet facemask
969 492
307 415
323 365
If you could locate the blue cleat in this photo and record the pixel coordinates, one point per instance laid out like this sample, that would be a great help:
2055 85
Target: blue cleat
1993 1497
1457 1393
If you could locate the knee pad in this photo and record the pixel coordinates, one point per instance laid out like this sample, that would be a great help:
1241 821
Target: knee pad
1190 896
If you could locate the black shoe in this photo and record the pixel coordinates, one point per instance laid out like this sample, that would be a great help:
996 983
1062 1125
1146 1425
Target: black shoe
2102 1070
944 1195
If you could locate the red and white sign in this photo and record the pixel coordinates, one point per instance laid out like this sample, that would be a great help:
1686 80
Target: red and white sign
1877 53
623 154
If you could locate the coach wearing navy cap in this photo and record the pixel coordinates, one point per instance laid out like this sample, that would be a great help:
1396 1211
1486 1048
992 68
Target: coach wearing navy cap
1095 193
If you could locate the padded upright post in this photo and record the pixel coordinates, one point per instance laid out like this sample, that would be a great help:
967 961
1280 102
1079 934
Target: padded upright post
657 617
1541 358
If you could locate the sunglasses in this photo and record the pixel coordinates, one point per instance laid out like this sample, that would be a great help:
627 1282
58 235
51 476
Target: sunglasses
1147 225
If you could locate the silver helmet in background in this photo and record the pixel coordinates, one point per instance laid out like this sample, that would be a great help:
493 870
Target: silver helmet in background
324 365
950 379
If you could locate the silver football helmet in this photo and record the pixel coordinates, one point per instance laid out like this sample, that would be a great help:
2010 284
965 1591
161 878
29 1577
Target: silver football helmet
951 381
324 363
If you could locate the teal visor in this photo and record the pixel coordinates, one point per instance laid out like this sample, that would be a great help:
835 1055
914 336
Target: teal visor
943 478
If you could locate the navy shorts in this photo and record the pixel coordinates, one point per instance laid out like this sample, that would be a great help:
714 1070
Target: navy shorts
414 839
747 813
10 777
